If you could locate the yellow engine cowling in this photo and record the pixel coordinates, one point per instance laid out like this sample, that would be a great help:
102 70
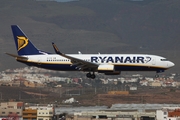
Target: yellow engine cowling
108 70
105 68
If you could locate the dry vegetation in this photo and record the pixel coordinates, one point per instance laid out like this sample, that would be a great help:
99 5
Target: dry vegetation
88 97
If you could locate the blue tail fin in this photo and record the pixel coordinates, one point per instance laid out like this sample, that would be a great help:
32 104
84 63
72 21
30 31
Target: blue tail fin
23 44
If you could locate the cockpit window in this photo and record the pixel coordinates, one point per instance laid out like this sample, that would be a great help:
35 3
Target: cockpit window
164 59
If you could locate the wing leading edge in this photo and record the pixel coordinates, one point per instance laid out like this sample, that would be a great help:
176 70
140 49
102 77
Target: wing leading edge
81 64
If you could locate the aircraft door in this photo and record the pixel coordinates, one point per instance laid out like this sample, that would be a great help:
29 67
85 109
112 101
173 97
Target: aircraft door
154 61
39 61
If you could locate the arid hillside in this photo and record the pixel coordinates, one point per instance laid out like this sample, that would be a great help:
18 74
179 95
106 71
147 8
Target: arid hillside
88 96
116 26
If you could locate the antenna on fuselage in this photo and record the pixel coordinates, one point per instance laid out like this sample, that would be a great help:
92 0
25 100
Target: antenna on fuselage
79 52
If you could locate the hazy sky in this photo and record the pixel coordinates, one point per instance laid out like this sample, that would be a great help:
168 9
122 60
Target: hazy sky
59 0
65 0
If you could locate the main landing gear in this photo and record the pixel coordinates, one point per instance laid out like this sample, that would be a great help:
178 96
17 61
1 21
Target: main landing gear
89 75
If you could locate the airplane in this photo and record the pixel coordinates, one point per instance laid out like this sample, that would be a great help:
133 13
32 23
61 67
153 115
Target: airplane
109 64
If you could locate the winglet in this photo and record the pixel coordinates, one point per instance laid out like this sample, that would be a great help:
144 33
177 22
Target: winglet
56 49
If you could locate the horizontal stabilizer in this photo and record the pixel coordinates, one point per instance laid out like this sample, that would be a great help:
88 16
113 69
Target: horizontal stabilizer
17 56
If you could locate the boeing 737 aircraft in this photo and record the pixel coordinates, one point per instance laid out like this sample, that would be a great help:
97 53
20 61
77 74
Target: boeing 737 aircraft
109 64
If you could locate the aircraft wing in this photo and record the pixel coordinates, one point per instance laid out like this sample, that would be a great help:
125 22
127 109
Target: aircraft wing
17 56
81 64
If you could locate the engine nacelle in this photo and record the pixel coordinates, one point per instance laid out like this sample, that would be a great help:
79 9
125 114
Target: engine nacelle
113 73
108 70
105 68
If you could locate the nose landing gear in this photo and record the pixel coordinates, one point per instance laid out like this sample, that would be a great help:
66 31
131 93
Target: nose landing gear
159 71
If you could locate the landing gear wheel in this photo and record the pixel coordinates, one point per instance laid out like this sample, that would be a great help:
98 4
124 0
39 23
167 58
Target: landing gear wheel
93 76
89 75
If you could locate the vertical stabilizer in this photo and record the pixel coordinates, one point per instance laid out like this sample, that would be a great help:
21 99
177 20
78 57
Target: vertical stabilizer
23 44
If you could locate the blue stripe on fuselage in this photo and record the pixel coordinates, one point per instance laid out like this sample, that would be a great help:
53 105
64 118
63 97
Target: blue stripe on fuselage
68 67
60 67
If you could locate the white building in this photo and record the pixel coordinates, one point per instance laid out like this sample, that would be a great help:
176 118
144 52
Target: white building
43 112
71 100
164 113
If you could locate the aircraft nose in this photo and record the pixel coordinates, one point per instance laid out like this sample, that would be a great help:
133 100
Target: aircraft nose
171 64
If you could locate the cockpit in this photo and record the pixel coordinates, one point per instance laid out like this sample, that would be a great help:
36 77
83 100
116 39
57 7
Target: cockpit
164 59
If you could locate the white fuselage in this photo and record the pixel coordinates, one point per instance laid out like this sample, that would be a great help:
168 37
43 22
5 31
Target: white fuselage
121 62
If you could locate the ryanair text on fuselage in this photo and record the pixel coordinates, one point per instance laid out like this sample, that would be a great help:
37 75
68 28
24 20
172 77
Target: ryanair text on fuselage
122 59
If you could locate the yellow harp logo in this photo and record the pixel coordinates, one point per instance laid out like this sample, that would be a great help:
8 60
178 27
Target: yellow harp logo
22 42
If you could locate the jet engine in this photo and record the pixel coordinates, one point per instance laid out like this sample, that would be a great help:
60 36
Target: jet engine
105 68
108 70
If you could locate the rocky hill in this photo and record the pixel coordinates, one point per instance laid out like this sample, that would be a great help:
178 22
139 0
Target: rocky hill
115 26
